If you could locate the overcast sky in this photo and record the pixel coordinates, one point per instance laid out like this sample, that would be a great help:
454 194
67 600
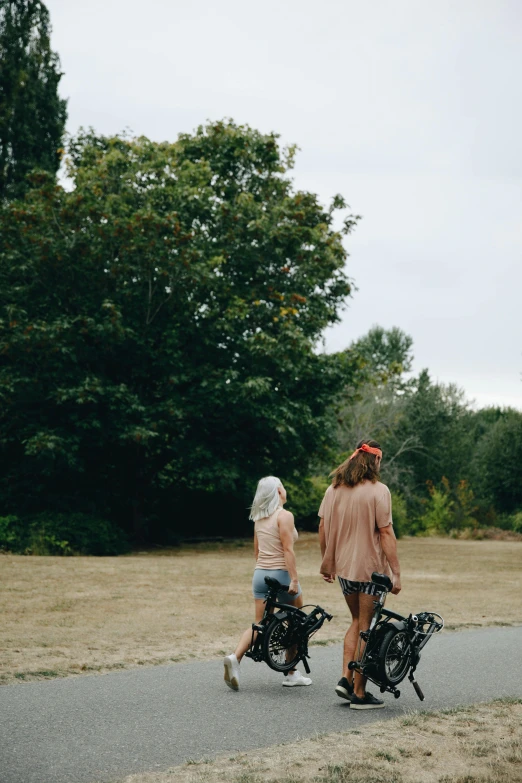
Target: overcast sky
412 110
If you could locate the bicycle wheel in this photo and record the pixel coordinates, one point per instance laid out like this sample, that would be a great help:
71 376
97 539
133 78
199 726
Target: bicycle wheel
394 657
281 647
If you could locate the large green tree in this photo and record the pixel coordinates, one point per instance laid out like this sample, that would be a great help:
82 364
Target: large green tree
160 320
497 460
374 406
426 428
385 357
32 115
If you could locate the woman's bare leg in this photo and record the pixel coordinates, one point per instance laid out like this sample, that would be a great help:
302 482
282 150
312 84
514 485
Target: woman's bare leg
246 638
366 609
352 635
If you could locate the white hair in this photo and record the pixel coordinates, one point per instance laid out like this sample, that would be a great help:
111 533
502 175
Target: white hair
266 499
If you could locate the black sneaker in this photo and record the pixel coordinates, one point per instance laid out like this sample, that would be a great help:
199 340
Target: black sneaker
344 689
368 703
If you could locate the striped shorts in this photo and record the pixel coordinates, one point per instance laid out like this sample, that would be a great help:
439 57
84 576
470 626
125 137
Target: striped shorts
349 588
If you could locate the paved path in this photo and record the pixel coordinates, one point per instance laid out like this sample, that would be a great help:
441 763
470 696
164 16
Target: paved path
101 728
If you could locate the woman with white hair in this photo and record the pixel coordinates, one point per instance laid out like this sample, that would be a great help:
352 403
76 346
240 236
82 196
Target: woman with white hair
274 538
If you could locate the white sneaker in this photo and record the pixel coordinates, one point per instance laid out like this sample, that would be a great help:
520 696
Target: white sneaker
231 671
296 679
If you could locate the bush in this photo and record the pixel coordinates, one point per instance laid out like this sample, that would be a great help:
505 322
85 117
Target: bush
511 521
61 534
12 536
517 522
440 511
448 509
486 534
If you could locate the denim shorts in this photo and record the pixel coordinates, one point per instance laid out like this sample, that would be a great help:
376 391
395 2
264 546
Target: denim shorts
349 588
260 588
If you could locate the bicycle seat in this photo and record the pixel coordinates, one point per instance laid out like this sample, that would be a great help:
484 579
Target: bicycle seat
275 585
382 580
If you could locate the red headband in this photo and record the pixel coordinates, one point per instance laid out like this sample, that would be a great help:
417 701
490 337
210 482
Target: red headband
368 449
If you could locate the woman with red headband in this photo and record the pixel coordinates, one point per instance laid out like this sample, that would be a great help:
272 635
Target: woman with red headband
356 537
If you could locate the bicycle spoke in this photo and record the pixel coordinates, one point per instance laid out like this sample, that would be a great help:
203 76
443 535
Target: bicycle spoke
397 657
282 645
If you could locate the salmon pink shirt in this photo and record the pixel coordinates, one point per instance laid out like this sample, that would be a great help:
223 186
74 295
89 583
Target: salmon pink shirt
352 518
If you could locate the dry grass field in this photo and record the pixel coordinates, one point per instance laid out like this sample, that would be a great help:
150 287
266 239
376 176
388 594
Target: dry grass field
63 616
476 744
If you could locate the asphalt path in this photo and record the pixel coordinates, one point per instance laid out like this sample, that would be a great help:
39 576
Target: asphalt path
103 727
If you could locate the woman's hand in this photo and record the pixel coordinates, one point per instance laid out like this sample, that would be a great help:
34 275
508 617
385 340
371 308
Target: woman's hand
328 577
294 587
396 579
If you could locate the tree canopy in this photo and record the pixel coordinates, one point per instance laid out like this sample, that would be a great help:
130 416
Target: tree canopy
159 324
448 465
498 459
32 115
385 356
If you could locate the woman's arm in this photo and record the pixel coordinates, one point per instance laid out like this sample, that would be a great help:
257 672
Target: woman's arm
389 547
322 543
322 537
285 520
256 546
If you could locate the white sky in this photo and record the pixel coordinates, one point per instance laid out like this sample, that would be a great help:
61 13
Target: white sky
412 110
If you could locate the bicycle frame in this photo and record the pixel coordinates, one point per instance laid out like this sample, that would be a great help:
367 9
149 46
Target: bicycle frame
418 629
305 625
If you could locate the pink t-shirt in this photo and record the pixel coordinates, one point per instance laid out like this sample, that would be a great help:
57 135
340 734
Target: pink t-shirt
352 516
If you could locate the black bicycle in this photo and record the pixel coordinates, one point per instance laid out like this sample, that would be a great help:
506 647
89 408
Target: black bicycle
393 643
281 637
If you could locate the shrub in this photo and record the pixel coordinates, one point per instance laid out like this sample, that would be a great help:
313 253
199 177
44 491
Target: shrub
61 534
511 521
42 542
517 522
487 534
448 509
439 514
12 535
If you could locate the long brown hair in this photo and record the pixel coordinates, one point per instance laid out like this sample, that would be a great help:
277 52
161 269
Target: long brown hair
362 467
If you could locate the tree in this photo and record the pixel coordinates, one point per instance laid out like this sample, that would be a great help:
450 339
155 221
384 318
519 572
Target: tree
374 406
386 355
32 115
497 460
438 416
425 428
160 322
